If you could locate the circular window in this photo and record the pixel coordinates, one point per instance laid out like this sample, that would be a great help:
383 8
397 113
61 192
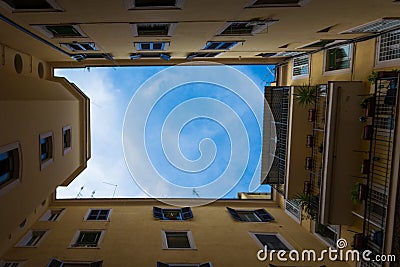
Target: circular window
18 63
40 70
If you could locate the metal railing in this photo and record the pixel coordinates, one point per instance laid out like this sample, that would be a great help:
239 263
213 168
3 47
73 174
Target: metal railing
385 100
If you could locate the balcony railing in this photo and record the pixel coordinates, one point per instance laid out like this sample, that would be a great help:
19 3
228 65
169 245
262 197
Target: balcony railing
293 208
278 100
381 153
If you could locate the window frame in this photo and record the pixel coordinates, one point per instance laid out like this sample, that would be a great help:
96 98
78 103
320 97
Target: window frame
131 5
47 215
189 236
170 32
385 63
58 263
42 29
185 214
44 163
300 3
70 48
12 182
164 46
54 8
28 236
278 235
301 76
69 148
338 71
255 30
74 244
221 43
260 213
100 209
204 264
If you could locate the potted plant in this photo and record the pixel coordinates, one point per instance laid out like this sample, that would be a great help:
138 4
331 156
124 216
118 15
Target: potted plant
359 241
359 193
373 77
368 103
365 166
309 163
308 202
306 96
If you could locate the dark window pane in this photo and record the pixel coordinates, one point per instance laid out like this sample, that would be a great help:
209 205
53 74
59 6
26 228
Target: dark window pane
31 4
63 31
152 3
271 241
177 240
153 30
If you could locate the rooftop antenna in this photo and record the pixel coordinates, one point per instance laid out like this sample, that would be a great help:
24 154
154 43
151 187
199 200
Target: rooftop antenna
195 192
80 192
115 187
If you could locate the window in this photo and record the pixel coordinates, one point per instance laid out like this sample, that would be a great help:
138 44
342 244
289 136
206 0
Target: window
80 46
203 55
30 6
338 58
389 48
161 264
10 164
172 214
80 57
46 149
376 26
98 215
155 4
52 215
58 263
32 239
300 66
317 44
11 264
178 240
60 30
221 45
273 241
149 46
245 27
153 29
87 239
260 215
66 139
276 3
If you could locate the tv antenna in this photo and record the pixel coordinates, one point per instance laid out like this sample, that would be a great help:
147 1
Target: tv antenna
115 187
80 192
195 192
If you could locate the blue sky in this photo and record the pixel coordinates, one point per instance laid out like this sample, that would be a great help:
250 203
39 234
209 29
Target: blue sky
202 142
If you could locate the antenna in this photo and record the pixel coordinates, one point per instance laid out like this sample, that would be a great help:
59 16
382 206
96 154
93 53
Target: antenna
195 192
80 192
115 187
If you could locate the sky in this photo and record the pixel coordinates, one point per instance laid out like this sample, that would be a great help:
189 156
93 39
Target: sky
182 131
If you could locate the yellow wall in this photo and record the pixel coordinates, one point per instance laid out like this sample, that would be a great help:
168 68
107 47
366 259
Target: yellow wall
30 106
133 237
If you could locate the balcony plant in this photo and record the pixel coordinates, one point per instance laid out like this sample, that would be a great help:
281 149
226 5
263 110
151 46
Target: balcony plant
306 95
308 203
359 193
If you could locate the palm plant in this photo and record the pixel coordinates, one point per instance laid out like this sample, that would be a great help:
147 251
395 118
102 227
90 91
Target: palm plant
306 95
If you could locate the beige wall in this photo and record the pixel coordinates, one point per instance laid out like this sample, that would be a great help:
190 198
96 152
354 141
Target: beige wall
30 106
133 238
